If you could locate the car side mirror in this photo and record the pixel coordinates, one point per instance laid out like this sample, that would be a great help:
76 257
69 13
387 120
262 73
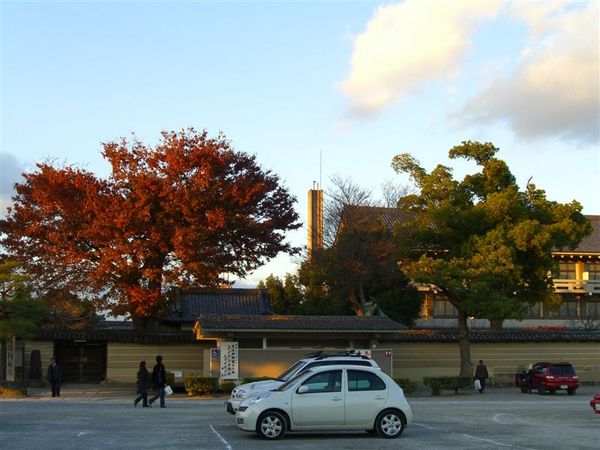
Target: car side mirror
302 389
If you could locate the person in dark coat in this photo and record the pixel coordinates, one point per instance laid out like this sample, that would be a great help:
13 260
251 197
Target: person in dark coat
159 379
481 374
54 377
143 377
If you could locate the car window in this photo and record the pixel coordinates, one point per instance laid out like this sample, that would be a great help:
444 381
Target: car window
563 370
330 381
359 380
292 380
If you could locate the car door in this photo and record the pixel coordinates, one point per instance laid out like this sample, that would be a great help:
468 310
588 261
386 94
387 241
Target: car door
538 373
365 394
318 401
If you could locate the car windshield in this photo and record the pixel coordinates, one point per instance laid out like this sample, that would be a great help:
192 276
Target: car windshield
289 372
292 381
562 370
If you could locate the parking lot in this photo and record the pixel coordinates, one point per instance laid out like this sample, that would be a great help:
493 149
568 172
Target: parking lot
500 418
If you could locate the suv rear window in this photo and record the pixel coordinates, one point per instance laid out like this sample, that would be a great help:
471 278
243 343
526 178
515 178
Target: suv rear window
563 370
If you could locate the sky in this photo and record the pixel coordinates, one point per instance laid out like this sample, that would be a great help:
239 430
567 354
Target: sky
313 89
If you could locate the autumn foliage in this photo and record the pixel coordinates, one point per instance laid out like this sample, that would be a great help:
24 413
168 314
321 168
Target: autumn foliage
187 212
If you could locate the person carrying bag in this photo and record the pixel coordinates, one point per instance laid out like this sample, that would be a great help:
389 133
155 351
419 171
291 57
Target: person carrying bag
159 379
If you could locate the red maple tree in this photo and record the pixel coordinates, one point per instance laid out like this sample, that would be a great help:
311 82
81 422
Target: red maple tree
187 212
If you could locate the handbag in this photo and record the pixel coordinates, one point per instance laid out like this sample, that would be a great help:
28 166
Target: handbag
168 390
477 384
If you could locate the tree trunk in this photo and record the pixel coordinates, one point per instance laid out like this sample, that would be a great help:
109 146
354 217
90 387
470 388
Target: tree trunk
496 324
356 306
464 345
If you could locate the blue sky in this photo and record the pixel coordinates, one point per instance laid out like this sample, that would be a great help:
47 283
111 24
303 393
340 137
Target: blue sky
358 81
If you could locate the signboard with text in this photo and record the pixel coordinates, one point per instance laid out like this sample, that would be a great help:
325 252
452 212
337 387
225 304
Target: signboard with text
229 360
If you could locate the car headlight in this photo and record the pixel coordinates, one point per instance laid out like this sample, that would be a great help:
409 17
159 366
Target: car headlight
241 394
255 400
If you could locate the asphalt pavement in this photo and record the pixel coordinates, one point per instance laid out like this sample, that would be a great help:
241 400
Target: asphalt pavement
103 416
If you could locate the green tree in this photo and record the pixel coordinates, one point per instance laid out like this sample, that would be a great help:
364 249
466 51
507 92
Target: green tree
20 314
484 244
286 295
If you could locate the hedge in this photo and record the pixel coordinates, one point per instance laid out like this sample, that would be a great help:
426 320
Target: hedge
407 386
226 387
450 383
12 389
198 384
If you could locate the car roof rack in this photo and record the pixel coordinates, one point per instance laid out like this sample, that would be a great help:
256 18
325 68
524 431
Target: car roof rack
343 354
320 355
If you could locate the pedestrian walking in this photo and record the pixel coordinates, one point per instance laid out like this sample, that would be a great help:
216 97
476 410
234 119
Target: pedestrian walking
159 379
481 374
54 377
143 378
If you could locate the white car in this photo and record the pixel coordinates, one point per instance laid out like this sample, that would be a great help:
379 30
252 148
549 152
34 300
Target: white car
329 398
249 390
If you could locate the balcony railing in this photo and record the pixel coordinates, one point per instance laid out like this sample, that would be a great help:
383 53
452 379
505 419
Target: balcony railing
585 287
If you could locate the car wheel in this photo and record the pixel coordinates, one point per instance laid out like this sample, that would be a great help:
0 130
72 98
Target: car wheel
552 391
542 389
571 391
271 425
390 423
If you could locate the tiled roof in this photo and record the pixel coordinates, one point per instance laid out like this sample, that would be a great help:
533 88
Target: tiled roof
489 336
391 216
591 244
305 324
180 337
197 302
386 216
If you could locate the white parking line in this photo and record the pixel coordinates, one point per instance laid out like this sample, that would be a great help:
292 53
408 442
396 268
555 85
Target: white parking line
489 441
429 427
470 436
227 446
505 419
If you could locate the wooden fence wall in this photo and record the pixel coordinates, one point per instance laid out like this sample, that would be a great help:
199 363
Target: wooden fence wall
420 359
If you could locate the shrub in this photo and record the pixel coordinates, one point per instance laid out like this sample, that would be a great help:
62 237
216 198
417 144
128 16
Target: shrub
253 379
450 383
227 386
12 389
407 386
198 384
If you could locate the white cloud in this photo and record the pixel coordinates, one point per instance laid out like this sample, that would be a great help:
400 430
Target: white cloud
408 44
10 173
554 91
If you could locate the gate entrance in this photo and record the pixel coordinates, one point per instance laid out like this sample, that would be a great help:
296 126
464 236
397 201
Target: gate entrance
81 361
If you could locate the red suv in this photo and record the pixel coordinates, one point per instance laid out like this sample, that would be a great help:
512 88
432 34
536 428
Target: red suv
595 403
548 377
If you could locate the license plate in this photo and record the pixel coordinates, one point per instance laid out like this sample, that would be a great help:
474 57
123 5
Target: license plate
563 386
